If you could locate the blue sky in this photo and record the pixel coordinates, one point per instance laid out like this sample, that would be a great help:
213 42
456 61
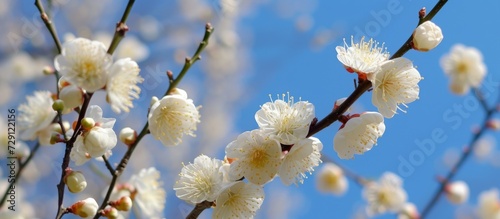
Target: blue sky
281 59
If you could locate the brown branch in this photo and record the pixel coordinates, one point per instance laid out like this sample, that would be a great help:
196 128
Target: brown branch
66 159
145 130
466 154
366 85
200 207
407 45
48 23
121 28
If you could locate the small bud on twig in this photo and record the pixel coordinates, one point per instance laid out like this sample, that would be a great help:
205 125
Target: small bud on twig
421 13
170 75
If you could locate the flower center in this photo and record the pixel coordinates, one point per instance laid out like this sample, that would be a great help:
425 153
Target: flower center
382 198
331 179
88 68
232 199
258 158
462 68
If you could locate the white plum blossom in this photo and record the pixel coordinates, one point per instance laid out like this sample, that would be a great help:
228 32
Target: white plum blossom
122 83
172 117
239 200
288 122
385 195
331 179
363 57
35 115
78 153
96 141
302 157
484 148
358 134
396 83
427 36
488 204
256 157
457 192
200 181
149 196
465 68
84 63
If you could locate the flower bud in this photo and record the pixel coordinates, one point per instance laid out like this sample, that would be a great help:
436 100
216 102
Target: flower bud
84 208
72 96
427 36
110 213
408 211
457 192
494 124
47 70
128 135
178 92
55 138
62 83
122 204
57 128
154 99
75 181
88 123
58 105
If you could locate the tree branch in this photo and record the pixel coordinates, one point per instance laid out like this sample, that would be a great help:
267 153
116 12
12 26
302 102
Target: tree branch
366 85
121 28
145 130
466 154
66 159
48 23
200 207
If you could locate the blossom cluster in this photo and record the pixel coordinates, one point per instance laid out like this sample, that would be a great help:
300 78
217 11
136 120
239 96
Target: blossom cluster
280 147
85 67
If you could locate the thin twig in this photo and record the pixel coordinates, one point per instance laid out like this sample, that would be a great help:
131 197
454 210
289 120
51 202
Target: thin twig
66 159
48 23
108 165
200 207
466 154
145 130
407 45
121 28
480 97
190 61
